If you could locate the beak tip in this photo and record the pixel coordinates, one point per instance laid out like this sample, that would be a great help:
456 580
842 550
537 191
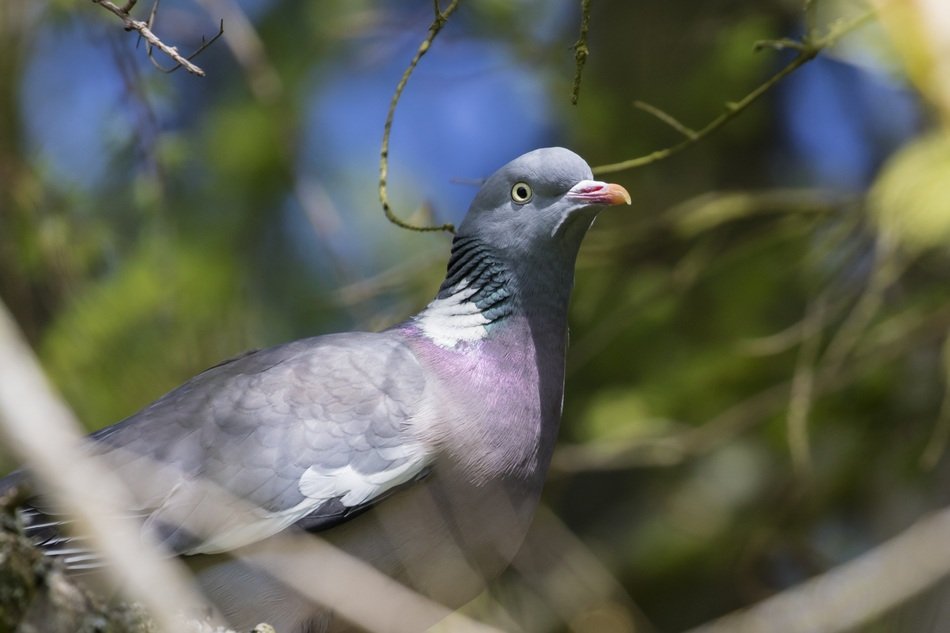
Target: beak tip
618 194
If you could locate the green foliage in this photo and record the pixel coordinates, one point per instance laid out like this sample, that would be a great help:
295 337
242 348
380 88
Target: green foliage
690 312
248 145
172 310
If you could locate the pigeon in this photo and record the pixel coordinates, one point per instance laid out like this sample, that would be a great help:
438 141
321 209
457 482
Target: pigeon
420 450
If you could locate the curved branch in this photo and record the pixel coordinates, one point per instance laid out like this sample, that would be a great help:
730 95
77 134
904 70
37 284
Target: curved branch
441 17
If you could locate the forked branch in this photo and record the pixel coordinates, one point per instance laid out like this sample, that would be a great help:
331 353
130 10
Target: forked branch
152 41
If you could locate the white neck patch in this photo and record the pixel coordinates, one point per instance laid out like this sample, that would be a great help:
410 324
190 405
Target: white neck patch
448 321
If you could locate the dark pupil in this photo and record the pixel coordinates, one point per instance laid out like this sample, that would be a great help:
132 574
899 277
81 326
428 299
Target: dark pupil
521 192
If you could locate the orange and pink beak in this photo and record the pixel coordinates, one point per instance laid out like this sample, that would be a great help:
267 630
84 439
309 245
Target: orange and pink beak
596 192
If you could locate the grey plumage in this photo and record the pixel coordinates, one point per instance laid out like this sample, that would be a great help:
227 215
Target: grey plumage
421 449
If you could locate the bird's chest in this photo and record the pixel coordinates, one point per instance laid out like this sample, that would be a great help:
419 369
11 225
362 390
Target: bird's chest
494 405
490 412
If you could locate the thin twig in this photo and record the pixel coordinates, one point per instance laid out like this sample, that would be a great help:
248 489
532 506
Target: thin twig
808 49
786 339
887 269
802 395
667 118
248 49
204 44
781 44
937 444
144 29
441 17
581 50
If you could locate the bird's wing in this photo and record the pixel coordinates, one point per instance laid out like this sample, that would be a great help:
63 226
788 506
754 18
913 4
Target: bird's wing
307 433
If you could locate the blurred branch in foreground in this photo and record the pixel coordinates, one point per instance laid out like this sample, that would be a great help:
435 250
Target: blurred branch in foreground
39 427
855 592
576 586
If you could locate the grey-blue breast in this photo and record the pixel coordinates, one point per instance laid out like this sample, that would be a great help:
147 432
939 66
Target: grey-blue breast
421 449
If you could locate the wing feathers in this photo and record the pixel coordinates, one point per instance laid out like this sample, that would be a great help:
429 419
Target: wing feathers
315 428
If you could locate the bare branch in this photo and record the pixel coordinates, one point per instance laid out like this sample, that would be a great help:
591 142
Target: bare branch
441 17
808 49
204 44
144 29
581 51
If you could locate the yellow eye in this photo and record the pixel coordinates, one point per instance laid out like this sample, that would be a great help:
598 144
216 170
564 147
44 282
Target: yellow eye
521 192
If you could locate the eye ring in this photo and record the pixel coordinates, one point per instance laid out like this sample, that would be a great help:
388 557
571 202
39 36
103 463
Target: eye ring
521 193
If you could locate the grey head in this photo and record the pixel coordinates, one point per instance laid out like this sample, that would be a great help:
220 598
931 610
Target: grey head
516 248
543 200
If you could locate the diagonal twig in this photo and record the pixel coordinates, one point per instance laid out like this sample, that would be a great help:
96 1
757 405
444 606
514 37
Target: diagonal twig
802 391
667 118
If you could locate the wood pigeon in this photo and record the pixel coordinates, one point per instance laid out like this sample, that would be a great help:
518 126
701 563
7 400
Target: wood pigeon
421 449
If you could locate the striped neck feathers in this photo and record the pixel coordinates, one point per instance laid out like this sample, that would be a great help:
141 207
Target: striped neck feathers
476 295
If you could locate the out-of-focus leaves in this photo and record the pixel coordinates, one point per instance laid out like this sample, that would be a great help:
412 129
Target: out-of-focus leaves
171 311
918 31
620 413
248 144
715 208
911 198
202 240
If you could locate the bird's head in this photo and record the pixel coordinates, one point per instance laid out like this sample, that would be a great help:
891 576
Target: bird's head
544 199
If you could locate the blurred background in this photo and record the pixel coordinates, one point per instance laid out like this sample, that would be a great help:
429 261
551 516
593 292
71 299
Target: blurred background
757 381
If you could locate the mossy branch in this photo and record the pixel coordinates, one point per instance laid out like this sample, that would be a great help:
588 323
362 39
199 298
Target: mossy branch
581 51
